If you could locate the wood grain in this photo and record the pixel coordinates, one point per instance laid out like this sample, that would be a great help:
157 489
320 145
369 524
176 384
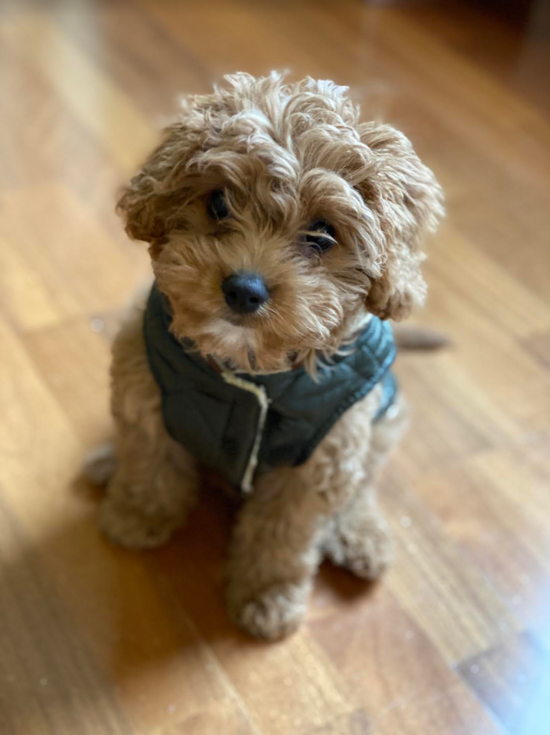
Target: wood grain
514 681
456 639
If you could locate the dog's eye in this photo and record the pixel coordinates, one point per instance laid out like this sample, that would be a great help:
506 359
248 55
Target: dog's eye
217 206
320 236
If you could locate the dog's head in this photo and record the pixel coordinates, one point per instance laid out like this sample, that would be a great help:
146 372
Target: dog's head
276 220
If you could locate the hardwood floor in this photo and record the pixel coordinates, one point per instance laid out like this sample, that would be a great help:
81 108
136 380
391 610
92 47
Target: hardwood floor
456 640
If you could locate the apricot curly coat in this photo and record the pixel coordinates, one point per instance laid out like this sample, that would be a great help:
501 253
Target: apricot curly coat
284 155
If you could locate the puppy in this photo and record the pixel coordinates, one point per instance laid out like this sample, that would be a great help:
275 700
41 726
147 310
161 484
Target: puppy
283 233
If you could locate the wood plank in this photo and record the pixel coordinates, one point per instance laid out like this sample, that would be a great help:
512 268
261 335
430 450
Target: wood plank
147 62
52 683
436 584
513 680
539 346
83 371
489 287
43 141
394 670
82 269
512 381
49 683
443 388
496 46
220 719
24 299
98 103
496 507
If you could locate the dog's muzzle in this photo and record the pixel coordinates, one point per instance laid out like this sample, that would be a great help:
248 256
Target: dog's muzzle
245 292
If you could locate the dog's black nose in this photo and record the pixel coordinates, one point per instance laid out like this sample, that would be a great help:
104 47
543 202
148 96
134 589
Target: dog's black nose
245 292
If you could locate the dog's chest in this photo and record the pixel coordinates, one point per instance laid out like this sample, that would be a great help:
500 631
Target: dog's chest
240 425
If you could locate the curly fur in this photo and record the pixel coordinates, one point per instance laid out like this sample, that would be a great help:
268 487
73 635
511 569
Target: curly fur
284 154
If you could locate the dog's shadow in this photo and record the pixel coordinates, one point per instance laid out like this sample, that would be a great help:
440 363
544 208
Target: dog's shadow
85 615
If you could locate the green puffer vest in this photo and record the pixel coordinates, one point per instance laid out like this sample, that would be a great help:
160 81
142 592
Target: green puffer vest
240 424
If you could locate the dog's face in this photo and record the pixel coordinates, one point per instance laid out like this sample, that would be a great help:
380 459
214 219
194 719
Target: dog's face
276 221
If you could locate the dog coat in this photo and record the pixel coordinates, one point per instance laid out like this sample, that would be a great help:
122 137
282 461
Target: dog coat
240 424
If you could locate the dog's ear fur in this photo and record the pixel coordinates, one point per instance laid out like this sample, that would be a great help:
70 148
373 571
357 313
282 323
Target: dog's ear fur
153 201
407 200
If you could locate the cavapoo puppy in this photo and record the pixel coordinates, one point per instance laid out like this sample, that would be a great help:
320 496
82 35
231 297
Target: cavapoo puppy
283 234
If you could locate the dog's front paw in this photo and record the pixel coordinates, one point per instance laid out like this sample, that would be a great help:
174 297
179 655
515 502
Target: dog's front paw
364 547
128 525
273 614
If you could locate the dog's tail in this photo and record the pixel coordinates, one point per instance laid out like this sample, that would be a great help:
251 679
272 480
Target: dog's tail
414 337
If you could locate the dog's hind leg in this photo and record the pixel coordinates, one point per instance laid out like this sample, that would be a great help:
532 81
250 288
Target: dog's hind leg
150 493
155 479
358 537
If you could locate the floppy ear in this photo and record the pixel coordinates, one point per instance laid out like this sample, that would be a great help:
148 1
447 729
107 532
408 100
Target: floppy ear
409 203
154 198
